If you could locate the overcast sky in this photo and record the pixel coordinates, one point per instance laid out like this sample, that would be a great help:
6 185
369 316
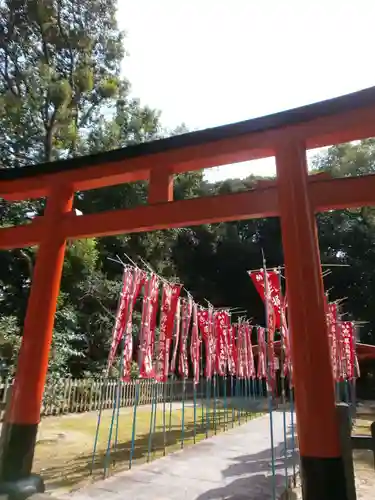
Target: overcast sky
212 62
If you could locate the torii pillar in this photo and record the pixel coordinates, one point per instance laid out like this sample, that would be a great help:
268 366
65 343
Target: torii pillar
23 416
322 469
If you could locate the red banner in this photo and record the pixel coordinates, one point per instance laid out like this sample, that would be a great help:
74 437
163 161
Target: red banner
250 354
287 361
332 337
273 288
177 331
138 279
187 309
232 351
271 345
246 350
221 321
271 324
195 345
155 305
147 332
348 349
170 297
241 351
262 353
206 326
121 315
341 362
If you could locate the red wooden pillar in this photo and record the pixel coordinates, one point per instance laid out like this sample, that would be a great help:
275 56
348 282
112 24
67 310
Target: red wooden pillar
23 416
317 424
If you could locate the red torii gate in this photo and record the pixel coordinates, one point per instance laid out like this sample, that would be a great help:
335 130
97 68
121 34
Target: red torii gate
295 197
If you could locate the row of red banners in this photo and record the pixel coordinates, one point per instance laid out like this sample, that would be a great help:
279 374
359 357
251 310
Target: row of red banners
341 334
184 327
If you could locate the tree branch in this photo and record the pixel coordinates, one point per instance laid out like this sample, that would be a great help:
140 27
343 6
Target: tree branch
48 143
67 41
87 115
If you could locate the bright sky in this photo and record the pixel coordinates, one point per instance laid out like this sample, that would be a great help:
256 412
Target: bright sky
212 62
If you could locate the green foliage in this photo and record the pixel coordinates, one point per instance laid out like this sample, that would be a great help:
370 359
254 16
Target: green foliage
348 160
60 63
10 341
81 258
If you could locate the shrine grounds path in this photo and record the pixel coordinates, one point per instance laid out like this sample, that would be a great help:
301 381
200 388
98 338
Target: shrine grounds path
64 451
233 465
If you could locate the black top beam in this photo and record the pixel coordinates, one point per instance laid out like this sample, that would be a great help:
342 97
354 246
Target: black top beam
357 100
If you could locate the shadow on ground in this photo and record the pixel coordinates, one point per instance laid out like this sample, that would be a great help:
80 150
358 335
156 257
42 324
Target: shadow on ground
253 478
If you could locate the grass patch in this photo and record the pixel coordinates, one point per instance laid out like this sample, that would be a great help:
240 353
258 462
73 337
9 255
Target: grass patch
64 453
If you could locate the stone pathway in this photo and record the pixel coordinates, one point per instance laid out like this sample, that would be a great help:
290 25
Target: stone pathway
235 465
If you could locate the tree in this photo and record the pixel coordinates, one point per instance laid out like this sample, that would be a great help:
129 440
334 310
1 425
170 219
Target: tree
60 71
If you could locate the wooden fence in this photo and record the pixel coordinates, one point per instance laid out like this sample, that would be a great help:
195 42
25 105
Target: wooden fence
80 395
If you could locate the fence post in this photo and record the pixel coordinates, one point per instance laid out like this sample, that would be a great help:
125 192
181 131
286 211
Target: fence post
68 400
90 395
343 414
